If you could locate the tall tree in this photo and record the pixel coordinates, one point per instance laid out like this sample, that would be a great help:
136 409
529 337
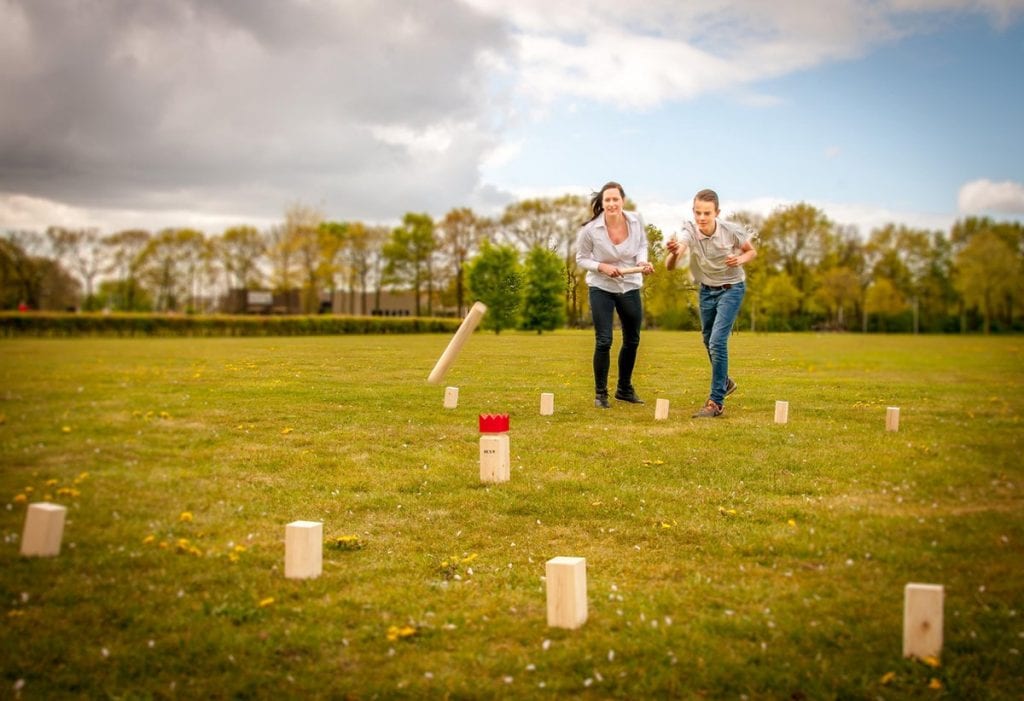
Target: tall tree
241 250
80 251
494 279
796 240
543 299
125 261
409 253
461 231
987 271
334 271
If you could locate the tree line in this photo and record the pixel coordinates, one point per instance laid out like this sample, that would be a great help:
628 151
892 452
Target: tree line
810 273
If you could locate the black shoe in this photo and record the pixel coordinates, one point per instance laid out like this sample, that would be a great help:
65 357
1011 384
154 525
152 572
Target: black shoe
628 396
601 401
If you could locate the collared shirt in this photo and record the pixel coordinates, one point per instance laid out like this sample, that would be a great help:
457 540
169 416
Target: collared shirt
708 253
594 246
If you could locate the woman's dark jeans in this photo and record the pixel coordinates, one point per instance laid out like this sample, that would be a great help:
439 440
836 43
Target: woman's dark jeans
603 306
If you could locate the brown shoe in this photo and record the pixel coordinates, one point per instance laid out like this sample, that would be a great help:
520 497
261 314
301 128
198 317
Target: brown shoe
710 410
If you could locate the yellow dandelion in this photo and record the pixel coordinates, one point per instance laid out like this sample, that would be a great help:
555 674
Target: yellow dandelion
887 678
82 476
65 429
47 496
164 545
20 499
239 548
791 523
239 427
29 490
726 512
51 483
164 415
148 415
396 633
934 684
195 551
266 602
596 503
15 613
931 661
149 539
286 431
185 517
666 525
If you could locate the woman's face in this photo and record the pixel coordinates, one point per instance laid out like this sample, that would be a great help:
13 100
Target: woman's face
611 200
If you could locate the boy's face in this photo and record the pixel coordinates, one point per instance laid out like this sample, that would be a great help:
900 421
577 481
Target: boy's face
704 214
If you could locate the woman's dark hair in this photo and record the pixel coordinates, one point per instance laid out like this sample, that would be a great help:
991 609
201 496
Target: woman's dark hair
596 201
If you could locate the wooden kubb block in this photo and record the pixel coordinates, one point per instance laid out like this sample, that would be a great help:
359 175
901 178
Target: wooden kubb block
661 409
303 549
566 591
922 620
781 412
892 418
44 529
547 404
495 457
451 397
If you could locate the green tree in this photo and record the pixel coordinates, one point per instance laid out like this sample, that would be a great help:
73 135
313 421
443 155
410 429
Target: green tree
781 298
797 240
409 254
461 232
494 279
884 299
125 260
240 250
543 298
987 273
839 291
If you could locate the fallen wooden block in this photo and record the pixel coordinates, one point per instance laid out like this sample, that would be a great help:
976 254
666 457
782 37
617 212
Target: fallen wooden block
566 591
44 529
303 549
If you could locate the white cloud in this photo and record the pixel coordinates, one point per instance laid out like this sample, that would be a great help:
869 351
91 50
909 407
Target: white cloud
984 196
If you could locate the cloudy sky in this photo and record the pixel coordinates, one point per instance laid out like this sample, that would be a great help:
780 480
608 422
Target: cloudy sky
209 113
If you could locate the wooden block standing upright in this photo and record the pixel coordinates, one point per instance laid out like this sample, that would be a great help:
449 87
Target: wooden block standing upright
892 418
547 404
781 412
567 591
495 458
661 409
303 549
44 529
922 620
451 397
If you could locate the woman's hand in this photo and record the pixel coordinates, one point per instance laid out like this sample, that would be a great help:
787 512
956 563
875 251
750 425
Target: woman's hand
609 270
647 268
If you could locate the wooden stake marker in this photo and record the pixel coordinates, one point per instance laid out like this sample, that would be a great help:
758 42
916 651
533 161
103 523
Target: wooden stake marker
567 591
547 404
922 620
451 397
44 529
892 418
781 412
661 409
303 549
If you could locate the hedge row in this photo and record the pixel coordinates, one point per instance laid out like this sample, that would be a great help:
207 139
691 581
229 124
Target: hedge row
85 324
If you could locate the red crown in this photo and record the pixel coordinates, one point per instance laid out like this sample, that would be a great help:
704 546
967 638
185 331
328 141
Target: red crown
493 423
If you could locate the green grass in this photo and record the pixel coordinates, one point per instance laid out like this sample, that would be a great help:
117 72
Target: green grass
725 558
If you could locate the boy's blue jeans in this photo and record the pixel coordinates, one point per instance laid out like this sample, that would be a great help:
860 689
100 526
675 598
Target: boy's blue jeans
718 311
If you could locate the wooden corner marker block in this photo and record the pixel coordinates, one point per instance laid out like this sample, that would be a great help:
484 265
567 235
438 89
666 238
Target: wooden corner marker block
547 404
495 457
451 397
781 412
303 549
44 529
661 409
892 418
922 620
567 591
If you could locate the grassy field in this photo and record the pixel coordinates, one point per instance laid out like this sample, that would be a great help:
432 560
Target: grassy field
729 558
